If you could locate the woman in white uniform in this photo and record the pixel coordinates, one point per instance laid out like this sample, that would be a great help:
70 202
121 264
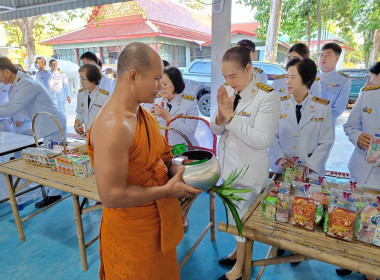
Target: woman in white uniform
246 119
176 103
300 51
305 129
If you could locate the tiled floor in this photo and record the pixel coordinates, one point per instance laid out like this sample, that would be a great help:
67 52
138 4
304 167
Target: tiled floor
51 248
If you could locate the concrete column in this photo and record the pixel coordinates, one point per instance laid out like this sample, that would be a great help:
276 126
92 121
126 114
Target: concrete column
77 56
100 50
175 56
221 37
188 54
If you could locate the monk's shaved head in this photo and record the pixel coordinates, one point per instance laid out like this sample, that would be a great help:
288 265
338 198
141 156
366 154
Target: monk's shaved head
136 56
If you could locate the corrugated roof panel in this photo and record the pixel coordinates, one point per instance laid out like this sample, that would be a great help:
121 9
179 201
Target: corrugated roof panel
28 8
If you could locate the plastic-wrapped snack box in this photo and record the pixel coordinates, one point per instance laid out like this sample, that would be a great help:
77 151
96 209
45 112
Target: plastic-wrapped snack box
376 237
283 203
368 223
304 210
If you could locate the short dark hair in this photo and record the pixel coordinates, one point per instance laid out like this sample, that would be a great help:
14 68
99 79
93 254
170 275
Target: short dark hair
91 56
306 68
375 68
301 49
135 56
248 44
92 71
166 63
175 77
52 60
42 59
240 55
332 46
6 64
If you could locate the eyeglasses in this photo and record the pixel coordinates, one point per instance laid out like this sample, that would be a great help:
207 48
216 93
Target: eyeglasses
82 79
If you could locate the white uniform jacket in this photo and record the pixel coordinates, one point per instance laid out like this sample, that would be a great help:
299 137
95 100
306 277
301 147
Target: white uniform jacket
182 105
310 140
86 113
59 85
279 85
336 87
30 97
260 74
245 140
44 77
364 117
107 84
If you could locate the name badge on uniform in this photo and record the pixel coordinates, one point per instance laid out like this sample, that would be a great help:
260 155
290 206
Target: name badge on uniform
244 114
334 85
314 119
282 116
366 110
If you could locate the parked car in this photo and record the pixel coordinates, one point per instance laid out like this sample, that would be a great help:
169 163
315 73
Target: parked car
358 79
198 80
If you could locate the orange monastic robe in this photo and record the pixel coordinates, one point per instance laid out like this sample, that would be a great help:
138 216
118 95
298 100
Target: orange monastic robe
140 242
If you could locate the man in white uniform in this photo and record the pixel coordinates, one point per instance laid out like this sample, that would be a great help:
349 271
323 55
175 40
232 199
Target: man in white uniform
59 85
30 98
43 75
5 124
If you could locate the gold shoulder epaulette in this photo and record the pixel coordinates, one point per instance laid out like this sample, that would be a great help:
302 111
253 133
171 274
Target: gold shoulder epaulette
158 95
46 71
285 97
370 88
264 87
18 79
317 79
258 70
60 71
344 74
188 97
225 83
104 91
279 76
321 100
81 89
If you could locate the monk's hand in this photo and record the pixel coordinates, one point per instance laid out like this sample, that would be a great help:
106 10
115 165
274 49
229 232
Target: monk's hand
364 140
163 113
177 188
225 103
78 126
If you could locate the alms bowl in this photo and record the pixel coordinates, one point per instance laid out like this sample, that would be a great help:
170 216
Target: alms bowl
203 175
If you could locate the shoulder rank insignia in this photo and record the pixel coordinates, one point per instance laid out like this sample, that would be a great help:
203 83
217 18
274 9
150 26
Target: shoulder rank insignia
103 91
264 87
279 76
282 116
258 70
317 79
225 83
60 71
46 71
80 90
285 97
188 97
321 100
282 90
370 88
18 79
343 74
158 95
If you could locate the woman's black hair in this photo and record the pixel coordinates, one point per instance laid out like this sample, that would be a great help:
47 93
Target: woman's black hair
175 77
301 49
306 68
92 71
375 68
240 55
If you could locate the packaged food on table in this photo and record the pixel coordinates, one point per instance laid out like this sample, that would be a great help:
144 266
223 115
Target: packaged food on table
301 172
269 201
288 175
283 201
376 236
322 203
341 223
304 210
82 166
373 152
368 223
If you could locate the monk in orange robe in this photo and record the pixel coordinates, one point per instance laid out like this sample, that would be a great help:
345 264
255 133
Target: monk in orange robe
142 221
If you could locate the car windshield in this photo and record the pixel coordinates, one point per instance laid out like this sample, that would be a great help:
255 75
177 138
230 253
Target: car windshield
201 67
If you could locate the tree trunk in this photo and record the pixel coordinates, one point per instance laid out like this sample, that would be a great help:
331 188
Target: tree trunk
309 29
376 46
273 30
319 26
26 26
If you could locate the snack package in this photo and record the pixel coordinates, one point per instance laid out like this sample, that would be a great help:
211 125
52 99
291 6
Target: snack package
322 204
269 201
301 172
376 235
368 223
304 210
288 175
283 201
341 223
373 152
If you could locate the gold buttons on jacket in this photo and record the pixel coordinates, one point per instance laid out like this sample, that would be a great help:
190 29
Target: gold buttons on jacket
294 147
296 135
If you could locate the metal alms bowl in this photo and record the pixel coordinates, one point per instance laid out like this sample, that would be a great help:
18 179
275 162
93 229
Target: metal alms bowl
203 175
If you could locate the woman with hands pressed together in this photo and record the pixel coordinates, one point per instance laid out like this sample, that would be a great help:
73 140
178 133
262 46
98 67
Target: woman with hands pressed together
246 119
